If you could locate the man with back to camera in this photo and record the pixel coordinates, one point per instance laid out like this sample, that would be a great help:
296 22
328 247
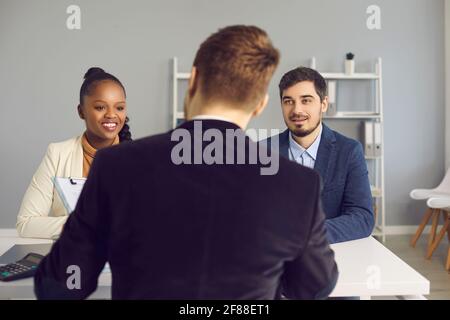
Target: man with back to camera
174 229
346 196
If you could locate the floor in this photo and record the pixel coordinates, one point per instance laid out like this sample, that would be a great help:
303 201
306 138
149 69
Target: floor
433 269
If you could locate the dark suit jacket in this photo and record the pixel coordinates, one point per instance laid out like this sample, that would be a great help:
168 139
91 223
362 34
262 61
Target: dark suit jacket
192 231
346 195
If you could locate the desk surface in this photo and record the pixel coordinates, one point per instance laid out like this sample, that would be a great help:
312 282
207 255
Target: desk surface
366 268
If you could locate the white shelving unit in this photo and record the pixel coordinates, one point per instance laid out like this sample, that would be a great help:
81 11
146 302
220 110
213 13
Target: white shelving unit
377 186
176 76
353 115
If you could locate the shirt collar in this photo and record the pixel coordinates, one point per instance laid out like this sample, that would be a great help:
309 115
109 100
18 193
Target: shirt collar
211 117
297 150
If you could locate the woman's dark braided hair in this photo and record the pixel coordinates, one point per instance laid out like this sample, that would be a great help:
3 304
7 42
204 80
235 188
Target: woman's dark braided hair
94 75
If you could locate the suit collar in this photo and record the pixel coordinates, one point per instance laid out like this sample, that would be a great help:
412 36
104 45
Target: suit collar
211 117
327 152
210 124
284 143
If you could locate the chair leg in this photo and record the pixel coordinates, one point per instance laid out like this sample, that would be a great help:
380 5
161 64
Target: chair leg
447 265
422 225
441 235
434 226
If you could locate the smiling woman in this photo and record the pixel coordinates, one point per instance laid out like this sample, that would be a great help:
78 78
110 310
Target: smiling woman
103 108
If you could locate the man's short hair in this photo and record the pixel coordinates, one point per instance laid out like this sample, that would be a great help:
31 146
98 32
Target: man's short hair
300 74
235 65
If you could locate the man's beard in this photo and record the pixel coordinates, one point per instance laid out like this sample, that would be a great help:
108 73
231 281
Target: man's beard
299 132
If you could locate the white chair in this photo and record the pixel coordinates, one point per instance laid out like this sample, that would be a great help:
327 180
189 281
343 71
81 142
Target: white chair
443 190
442 204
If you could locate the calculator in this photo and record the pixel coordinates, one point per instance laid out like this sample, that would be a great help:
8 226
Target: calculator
21 269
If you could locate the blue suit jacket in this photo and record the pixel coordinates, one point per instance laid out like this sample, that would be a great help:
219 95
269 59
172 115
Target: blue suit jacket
345 195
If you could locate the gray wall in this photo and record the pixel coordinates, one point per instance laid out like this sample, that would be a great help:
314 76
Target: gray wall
447 84
42 64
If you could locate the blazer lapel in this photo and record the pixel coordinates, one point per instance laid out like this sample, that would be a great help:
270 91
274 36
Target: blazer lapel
76 167
284 143
326 154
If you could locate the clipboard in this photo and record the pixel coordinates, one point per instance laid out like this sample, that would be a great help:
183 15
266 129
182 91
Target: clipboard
69 190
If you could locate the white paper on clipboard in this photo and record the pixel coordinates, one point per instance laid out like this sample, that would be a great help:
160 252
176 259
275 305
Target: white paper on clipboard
69 190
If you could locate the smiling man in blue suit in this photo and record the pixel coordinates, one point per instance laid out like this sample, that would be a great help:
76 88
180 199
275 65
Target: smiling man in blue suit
339 160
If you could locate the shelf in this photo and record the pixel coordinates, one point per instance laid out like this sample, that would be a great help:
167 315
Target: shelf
378 228
355 76
183 75
180 115
377 233
376 192
331 76
353 115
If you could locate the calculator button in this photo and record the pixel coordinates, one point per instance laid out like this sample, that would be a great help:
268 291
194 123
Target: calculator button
5 274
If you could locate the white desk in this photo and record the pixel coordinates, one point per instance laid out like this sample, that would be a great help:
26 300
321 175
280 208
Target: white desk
24 289
366 269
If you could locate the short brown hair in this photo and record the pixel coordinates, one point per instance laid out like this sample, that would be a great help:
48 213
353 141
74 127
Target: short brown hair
301 74
236 64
